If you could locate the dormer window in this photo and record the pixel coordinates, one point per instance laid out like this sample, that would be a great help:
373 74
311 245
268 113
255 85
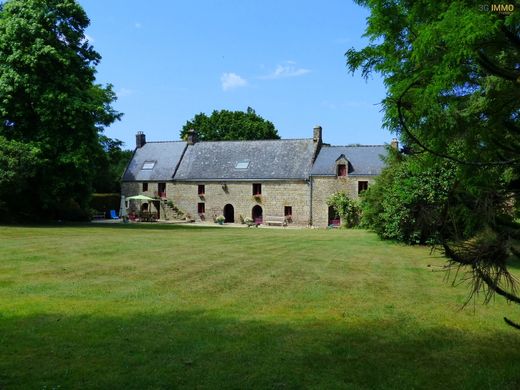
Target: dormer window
148 165
342 170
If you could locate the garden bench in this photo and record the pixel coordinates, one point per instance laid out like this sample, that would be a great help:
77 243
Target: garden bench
274 220
251 223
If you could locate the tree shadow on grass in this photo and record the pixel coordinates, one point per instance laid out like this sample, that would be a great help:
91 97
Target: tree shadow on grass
205 350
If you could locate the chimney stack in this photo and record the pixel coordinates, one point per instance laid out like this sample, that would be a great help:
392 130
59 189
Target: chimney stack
140 139
192 137
394 144
317 134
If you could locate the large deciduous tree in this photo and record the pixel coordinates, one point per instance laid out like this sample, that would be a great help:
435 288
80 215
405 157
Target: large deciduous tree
51 106
452 72
230 125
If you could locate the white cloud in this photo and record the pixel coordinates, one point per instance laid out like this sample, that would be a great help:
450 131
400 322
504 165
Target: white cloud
288 69
232 80
89 38
138 25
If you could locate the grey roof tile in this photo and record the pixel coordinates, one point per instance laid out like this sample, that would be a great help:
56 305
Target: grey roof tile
268 160
364 160
167 156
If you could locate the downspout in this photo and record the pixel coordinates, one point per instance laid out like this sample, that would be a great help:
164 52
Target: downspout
310 201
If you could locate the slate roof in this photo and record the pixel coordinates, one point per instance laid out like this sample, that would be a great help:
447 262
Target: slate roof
363 160
268 160
166 155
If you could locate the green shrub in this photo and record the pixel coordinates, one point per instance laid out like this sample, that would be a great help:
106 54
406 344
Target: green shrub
406 202
105 202
348 209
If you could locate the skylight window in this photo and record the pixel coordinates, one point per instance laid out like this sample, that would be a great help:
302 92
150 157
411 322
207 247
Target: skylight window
243 164
148 165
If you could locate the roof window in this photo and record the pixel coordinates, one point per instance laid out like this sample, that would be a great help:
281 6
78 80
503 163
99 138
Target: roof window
148 165
242 164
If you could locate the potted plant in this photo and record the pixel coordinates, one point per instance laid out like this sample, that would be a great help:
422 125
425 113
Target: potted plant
220 219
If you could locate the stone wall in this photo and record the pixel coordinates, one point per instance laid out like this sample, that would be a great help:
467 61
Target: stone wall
275 196
324 186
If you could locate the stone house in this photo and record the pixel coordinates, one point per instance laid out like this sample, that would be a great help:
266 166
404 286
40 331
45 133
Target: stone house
239 179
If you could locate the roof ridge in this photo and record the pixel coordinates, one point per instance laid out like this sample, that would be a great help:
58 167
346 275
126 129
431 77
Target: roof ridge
256 140
356 146
162 142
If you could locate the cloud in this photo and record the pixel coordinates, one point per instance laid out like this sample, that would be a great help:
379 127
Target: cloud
138 25
89 38
288 69
232 80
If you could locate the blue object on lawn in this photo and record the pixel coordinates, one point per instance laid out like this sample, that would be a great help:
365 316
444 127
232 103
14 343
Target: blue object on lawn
113 214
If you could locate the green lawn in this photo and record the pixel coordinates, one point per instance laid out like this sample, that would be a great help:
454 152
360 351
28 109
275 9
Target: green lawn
188 307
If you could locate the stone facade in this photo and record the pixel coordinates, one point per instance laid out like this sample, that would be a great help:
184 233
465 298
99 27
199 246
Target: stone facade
325 186
274 198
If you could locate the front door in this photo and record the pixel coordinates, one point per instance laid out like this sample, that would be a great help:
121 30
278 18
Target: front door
229 213
256 214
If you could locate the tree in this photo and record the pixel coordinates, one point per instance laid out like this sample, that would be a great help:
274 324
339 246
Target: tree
111 166
452 71
230 125
407 201
51 105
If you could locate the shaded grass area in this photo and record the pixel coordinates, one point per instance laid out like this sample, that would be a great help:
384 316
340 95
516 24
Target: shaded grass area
185 307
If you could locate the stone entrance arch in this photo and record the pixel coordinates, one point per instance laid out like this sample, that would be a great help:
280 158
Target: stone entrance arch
229 213
257 214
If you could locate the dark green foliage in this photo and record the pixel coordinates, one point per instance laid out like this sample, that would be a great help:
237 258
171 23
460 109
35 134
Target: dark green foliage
452 71
18 162
230 125
111 165
348 209
50 103
105 202
407 201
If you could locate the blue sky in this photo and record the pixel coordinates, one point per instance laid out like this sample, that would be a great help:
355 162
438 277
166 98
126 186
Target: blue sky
170 60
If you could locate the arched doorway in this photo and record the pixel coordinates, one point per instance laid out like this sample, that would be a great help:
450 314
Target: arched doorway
229 213
256 214
334 218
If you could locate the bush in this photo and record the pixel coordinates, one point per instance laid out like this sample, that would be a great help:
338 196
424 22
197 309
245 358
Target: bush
406 202
105 202
348 209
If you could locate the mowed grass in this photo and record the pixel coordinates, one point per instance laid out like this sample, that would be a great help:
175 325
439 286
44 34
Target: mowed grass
136 307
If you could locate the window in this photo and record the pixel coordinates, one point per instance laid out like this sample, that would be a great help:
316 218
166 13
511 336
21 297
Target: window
287 211
148 165
362 186
161 189
202 189
257 189
145 187
342 170
201 208
242 164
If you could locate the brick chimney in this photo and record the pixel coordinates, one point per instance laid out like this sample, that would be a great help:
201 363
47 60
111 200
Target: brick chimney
140 139
394 144
192 137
